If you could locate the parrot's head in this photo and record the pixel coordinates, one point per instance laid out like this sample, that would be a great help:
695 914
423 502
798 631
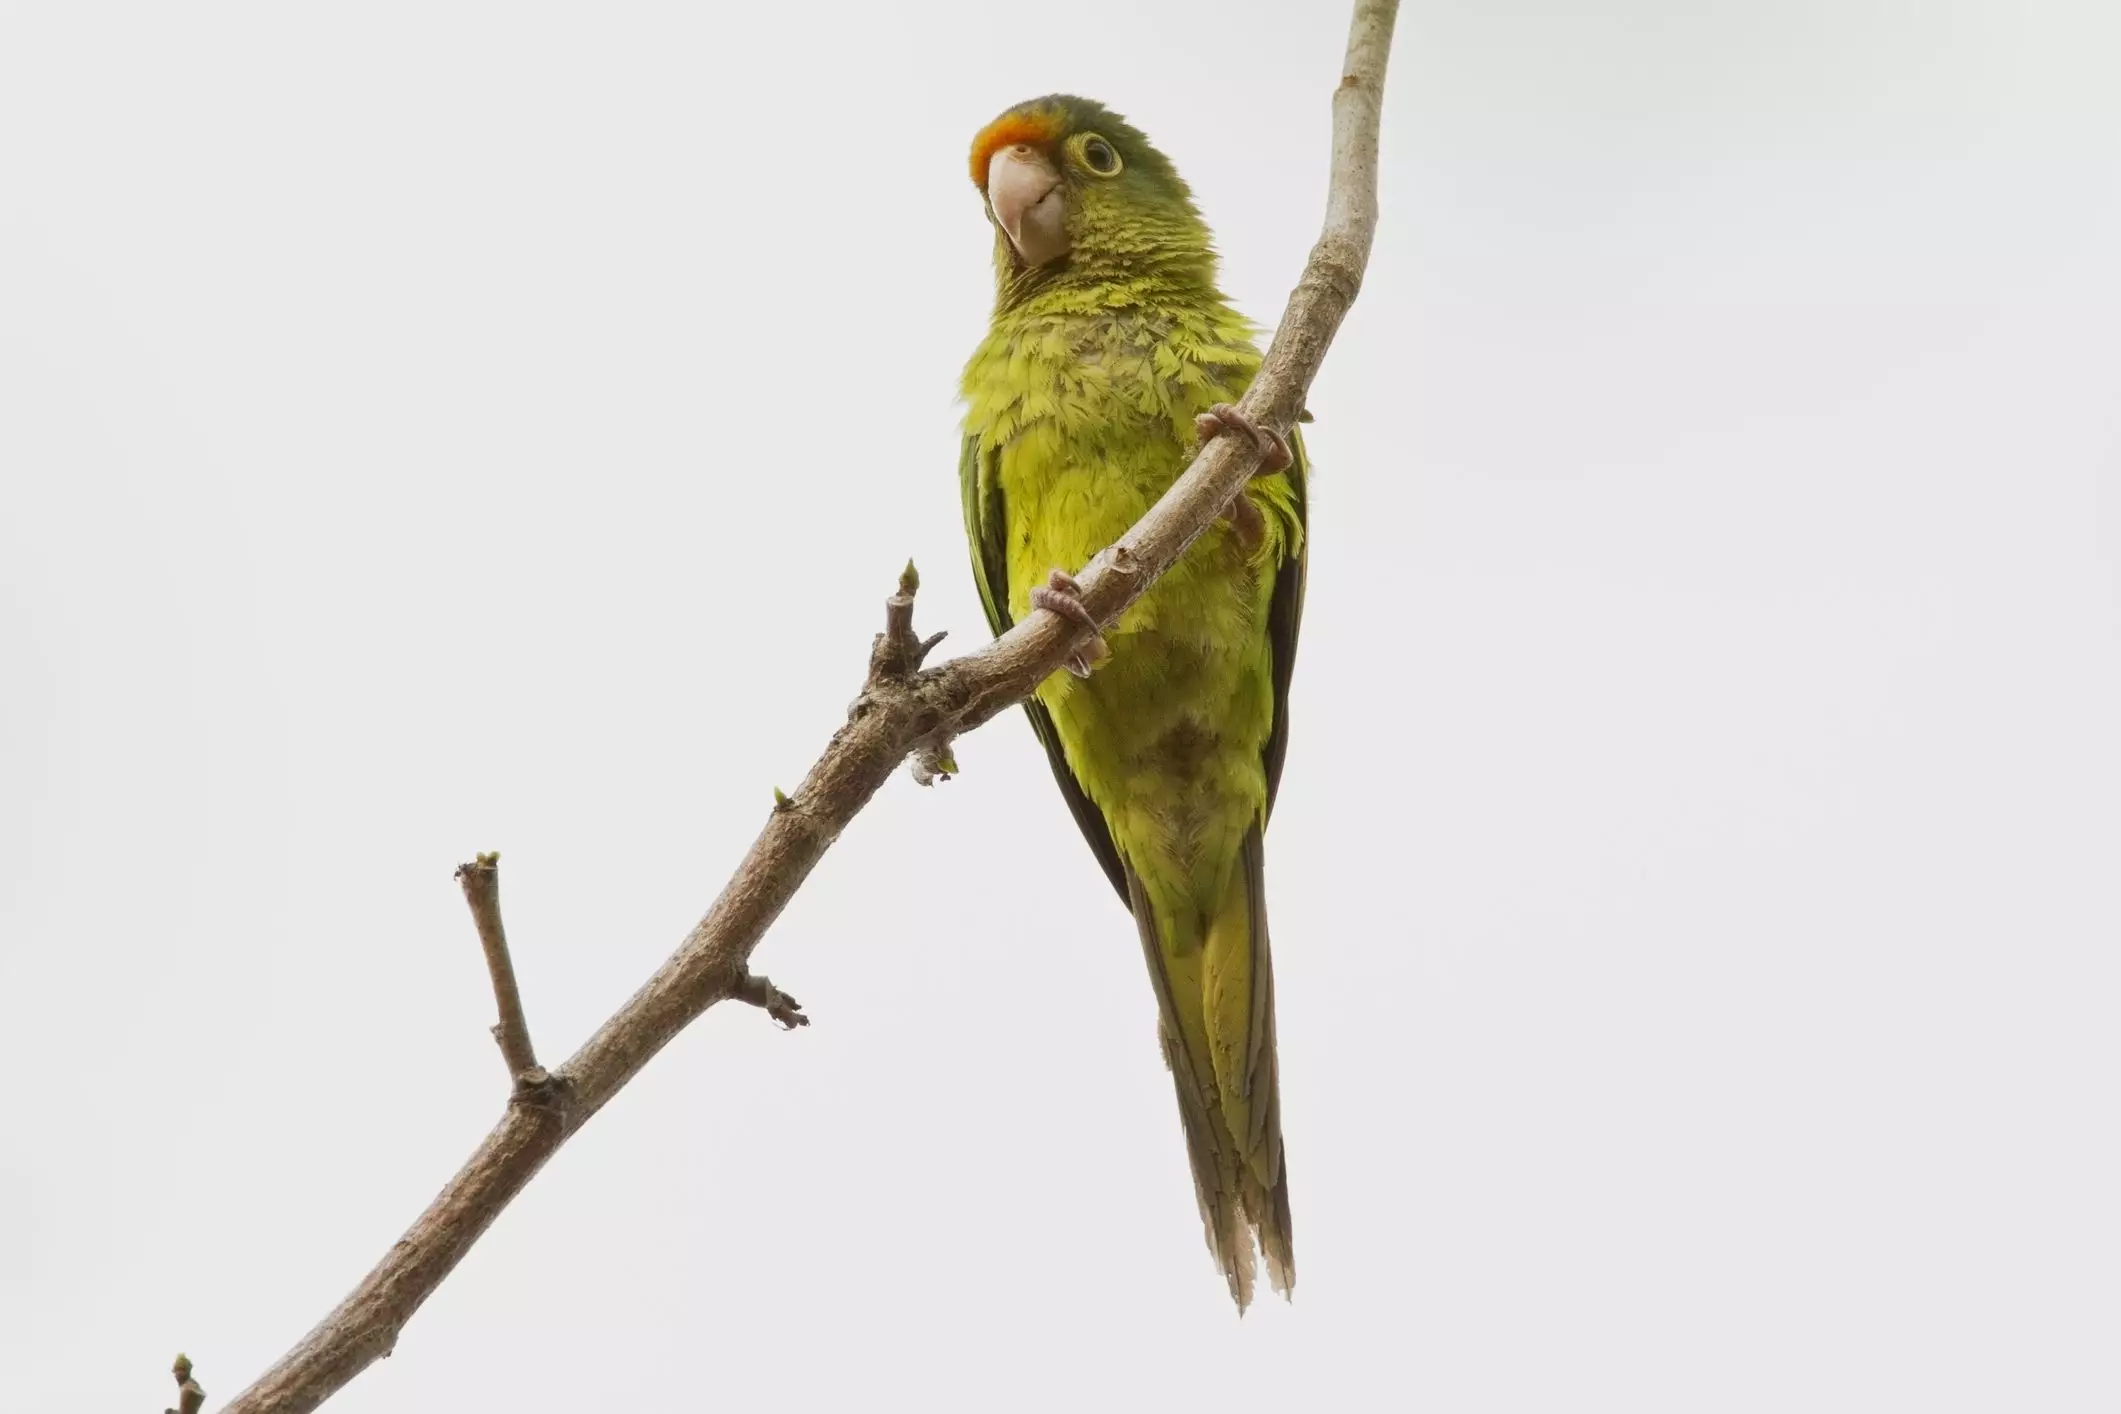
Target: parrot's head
1073 187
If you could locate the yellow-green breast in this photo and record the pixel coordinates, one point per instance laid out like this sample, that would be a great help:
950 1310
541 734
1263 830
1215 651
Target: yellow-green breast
1086 416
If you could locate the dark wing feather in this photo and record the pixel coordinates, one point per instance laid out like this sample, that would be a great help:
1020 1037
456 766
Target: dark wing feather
1284 615
986 526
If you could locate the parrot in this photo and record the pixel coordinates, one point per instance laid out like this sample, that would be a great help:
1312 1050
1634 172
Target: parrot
1111 355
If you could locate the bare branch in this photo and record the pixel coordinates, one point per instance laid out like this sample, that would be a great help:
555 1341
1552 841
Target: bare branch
482 890
903 710
759 992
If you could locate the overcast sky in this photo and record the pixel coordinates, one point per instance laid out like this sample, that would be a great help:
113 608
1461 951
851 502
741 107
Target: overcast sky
446 427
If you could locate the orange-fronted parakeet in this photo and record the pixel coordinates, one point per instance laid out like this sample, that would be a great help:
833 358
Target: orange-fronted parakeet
1109 342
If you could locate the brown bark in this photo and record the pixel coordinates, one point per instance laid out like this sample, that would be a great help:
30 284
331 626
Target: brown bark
482 890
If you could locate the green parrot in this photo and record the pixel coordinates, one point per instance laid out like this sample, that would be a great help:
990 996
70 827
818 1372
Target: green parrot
1111 354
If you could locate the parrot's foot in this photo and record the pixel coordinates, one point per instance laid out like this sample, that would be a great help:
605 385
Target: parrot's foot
1274 448
1247 522
1062 595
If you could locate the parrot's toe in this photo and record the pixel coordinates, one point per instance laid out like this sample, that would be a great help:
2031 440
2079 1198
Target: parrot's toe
1247 522
1062 595
1273 447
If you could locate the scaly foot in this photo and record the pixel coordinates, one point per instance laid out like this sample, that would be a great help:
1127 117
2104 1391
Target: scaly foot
1246 522
1062 595
1274 449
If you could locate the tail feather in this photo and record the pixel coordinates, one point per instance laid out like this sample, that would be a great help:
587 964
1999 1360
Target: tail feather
1231 1118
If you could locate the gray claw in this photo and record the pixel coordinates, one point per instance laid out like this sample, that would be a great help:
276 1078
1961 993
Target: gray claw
1060 594
1273 447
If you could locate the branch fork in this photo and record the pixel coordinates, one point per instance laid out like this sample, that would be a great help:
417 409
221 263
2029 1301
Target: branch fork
895 659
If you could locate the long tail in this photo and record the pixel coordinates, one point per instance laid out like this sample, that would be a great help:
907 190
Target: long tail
1215 993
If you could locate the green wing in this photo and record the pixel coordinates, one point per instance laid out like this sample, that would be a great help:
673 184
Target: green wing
986 522
1285 614
986 527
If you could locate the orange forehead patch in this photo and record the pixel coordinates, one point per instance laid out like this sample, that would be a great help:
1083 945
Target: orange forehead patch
1036 127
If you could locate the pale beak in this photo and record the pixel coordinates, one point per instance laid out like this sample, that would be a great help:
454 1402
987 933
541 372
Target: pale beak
1024 193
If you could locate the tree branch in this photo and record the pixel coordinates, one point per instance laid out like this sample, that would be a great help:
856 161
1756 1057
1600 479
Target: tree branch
903 710
482 890
784 1009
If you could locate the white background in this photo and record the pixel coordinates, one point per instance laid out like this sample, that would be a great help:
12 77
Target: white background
443 427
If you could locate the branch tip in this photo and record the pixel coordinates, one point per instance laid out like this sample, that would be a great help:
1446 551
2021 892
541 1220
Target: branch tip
480 864
786 1011
898 651
481 881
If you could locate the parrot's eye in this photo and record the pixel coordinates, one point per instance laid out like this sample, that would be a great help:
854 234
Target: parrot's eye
1099 157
